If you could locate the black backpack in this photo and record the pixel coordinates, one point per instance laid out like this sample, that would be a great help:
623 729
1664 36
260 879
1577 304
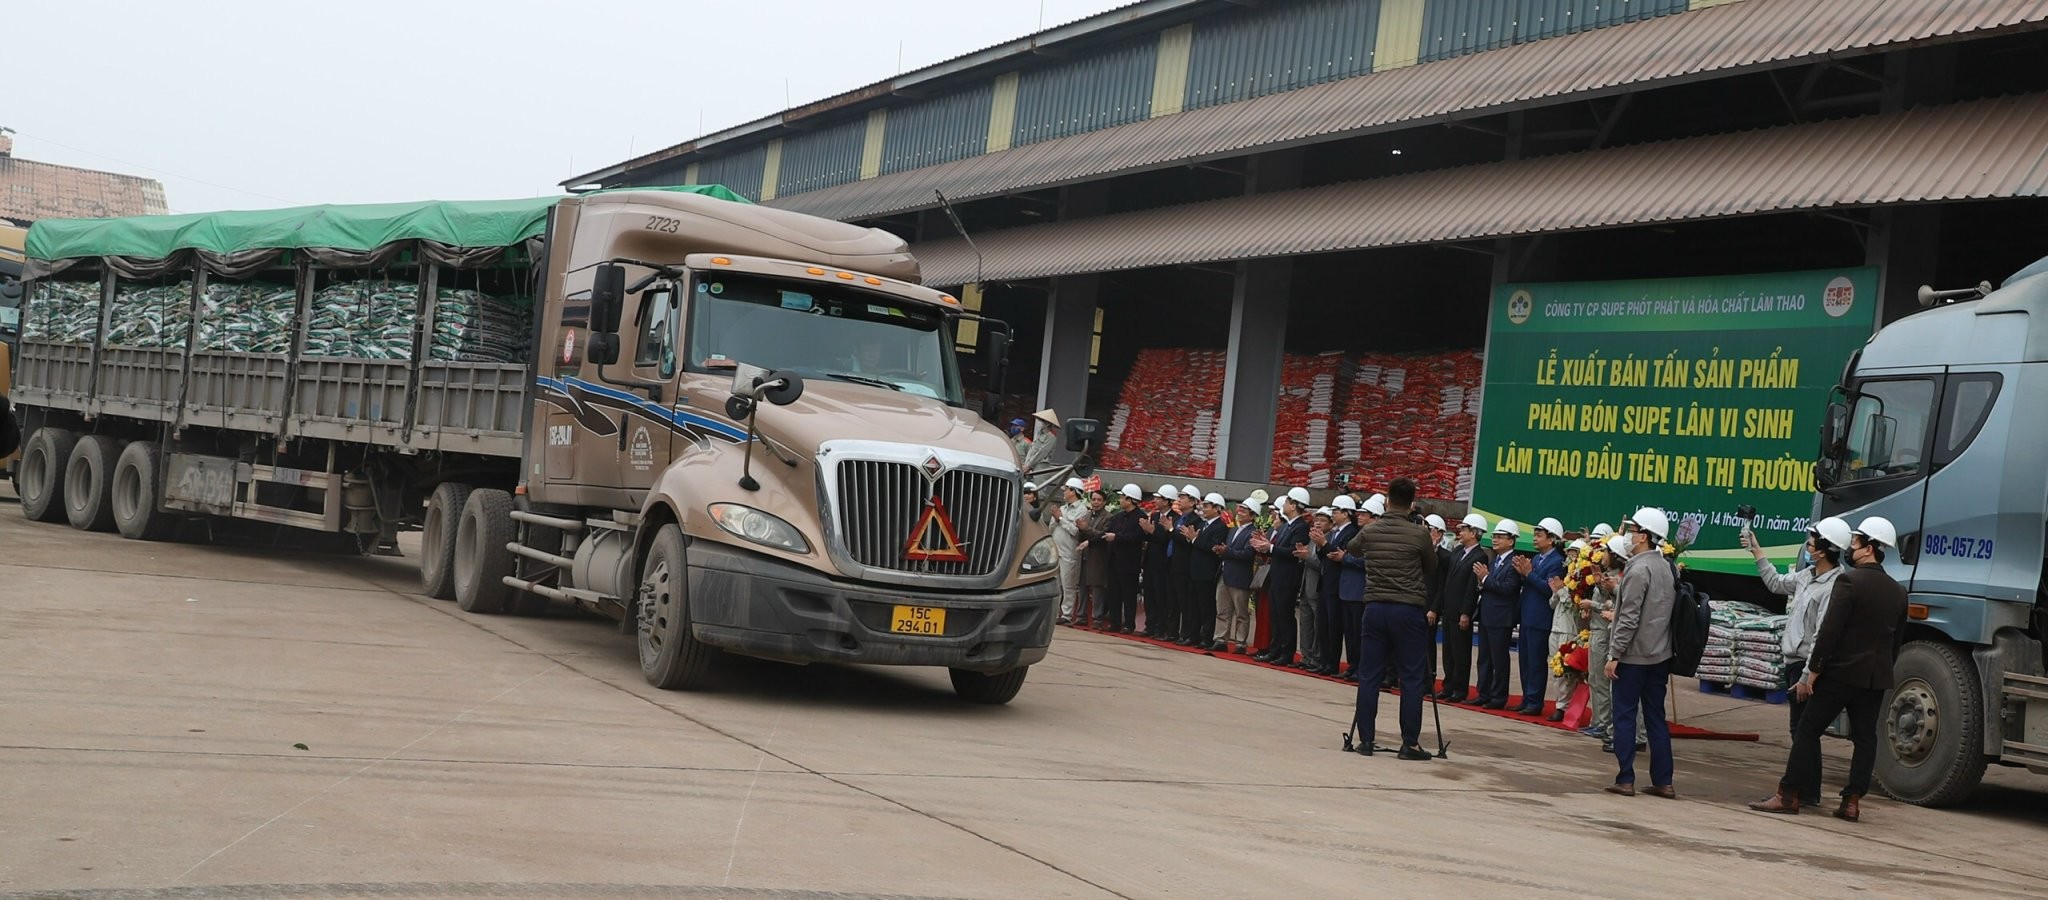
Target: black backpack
1692 618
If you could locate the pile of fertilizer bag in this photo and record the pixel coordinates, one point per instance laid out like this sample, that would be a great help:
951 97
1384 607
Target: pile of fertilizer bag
363 320
248 317
159 316
1744 647
471 326
62 312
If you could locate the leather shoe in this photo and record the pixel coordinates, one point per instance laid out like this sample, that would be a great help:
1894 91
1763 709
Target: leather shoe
1783 802
1350 677
1851 809
1220 647
1663 790
1625 790
1495 704
1412 752
1529 711
1556 715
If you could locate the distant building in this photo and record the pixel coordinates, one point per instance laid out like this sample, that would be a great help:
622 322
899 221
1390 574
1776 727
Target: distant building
36 190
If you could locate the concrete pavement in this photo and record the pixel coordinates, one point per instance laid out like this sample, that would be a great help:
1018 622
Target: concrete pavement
180 720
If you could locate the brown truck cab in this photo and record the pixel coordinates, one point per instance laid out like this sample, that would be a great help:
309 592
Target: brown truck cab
749 435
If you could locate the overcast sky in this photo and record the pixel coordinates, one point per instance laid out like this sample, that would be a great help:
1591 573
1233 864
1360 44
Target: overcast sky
243 105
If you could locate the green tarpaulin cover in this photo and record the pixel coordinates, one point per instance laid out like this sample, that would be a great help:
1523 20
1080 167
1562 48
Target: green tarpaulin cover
457 223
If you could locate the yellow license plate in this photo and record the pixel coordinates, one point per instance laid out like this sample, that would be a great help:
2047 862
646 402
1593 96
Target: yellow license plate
923 620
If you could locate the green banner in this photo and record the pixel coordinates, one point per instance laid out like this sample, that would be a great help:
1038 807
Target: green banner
1693 395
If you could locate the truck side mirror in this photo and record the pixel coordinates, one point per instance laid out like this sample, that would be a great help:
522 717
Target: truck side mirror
1835 428
1084 436
600 348
607 299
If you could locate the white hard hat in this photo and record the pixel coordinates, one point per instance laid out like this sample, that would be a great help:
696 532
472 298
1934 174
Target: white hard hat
1169 492
1508 527
1602 531
1259 495
1076 484
1190 490
1551 526
1474 521
1344 501
1298 495
1879 530
1214 499
1577 546
1652 520
1434 521
1617 544
1834 531
1048 417
1030 486
1325 512
1376 504
1132 491
1251 504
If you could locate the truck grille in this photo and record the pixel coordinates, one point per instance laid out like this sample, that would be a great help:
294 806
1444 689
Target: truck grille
880 503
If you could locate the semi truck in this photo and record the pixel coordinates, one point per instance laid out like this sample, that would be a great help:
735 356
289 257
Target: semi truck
1940 424
730 428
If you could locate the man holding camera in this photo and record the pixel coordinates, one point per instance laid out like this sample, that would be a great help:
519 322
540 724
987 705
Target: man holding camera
1399 556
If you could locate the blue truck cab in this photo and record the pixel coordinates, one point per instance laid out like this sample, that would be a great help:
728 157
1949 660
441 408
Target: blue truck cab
1940 424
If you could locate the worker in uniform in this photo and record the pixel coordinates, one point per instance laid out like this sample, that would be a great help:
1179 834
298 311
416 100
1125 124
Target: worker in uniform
1500 604
1850 669
1066 539
1044 441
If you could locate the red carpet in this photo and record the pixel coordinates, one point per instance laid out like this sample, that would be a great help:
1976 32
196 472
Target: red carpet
1677 730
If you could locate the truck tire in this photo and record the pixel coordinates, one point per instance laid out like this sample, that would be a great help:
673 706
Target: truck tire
138 513
89 483
481 560
1930 750
671 658
437 539
39 476
995 690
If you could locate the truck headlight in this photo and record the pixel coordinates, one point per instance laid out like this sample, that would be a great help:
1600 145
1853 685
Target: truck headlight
754 525
1040 557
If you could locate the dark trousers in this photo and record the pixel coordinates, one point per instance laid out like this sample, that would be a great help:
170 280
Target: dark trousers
1641 688
1795 670
1533 653
1457 659
1123 600
1394 633
1179 595
1493 664
1280 625
1802 769
1354 623
1198 619
1333 640
1158 597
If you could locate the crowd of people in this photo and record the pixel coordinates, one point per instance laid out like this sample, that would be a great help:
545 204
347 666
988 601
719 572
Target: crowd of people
1377 591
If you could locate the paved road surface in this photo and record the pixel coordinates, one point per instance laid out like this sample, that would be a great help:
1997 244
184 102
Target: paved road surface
180 720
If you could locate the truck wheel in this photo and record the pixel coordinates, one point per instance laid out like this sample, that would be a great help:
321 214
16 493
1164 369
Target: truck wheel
89 482
137 495
481 560
995 690
437 539
671 657
39 476
1932 751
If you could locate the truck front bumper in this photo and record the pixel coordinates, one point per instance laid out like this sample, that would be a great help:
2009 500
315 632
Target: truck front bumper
757 606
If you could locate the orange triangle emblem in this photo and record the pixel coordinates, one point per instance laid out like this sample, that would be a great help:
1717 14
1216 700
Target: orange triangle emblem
933 539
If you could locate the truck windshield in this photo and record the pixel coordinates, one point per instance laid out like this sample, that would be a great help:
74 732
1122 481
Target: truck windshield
822 330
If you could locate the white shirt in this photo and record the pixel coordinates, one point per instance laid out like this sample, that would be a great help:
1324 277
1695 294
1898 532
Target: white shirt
1809 593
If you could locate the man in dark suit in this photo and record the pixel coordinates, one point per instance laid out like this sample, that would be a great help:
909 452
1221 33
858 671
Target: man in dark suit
1208 529
1330 631
1158 524
1456 600
1240 556
1851 668
1288 550
1533 649
1500 602
1126 540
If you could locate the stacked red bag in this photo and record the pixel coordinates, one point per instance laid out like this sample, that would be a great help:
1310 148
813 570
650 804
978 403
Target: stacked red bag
1413 415
1166 420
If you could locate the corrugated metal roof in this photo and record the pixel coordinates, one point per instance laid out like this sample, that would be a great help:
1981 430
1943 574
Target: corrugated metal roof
1980 150
1719 40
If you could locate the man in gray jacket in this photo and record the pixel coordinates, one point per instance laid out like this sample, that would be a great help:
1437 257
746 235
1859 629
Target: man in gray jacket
1399 555
1639 654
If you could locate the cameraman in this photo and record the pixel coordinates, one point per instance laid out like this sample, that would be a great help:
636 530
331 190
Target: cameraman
1808 591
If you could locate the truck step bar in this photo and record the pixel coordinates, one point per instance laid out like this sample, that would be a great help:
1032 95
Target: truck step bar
560 562
533 518
609 605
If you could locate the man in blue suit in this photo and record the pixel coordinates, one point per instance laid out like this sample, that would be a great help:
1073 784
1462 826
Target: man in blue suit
1534 652
1234 593
1329 609
1500 602
1287 550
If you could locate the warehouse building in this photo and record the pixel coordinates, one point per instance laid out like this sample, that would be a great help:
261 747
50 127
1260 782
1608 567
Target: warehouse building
1250 212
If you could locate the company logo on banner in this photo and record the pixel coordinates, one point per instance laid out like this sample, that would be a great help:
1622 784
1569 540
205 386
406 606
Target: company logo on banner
1693 395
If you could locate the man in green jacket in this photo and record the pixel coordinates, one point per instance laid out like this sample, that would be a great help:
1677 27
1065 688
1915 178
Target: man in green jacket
1398 554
